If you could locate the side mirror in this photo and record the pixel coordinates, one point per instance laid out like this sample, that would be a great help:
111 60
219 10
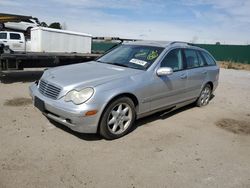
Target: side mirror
164 71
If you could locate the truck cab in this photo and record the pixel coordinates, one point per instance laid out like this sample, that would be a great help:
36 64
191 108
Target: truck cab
15 40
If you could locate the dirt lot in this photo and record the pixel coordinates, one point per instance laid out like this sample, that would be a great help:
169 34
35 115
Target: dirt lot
192 147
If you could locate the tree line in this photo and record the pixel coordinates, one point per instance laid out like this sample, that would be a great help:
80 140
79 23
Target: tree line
54 25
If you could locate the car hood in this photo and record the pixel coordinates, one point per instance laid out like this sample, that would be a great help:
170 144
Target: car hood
89 74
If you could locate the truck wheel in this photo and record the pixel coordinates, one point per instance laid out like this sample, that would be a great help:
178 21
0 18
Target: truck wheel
205 96
117 118
1 26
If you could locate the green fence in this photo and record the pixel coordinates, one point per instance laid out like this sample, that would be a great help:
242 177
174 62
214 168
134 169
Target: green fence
236 53
101 47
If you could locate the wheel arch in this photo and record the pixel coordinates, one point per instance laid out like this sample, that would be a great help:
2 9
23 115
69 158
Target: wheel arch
115 97
210 84
29 28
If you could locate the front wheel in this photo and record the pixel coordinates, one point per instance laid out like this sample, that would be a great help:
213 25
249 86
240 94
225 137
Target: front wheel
205 96
118 118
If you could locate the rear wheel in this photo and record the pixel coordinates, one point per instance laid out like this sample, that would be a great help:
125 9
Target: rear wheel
205 96
1 26
117 118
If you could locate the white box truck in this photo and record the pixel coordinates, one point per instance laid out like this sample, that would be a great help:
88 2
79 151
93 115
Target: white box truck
46 48
55 40
47 40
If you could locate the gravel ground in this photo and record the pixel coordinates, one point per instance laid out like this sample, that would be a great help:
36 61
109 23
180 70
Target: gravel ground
191 147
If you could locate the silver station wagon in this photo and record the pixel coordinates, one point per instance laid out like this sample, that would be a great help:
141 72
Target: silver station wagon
133 80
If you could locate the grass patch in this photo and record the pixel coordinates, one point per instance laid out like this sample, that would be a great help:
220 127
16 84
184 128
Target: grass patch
234 65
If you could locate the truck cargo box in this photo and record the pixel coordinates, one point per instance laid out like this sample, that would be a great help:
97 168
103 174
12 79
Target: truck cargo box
60 41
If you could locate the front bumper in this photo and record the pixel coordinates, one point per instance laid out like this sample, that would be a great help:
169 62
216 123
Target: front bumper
68 114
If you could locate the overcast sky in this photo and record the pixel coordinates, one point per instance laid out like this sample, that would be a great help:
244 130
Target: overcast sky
201 21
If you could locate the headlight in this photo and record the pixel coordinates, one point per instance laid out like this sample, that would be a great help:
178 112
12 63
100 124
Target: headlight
79 97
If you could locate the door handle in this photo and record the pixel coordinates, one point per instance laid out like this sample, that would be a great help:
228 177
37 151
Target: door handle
20 42
204 72
4 41
184 76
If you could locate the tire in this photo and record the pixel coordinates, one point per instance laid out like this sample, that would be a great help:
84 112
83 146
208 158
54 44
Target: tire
117 119
205 96
1 26
28 30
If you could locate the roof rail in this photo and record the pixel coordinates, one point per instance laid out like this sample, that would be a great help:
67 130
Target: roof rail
191 44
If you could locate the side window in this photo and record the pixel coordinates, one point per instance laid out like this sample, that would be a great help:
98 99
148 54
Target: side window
14 36
208 58
173 59
3 35
201 59
191 58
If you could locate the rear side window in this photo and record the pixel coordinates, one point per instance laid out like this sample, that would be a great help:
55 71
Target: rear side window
208 58
201 59
191 58
15 36
3 35
173 60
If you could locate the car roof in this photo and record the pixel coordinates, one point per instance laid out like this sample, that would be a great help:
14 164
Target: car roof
164 44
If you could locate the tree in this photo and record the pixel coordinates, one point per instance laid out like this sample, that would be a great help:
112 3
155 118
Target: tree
43 24
217 43
55 25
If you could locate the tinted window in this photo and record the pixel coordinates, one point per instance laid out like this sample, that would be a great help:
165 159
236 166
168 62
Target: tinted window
208 58
3 35
191 58
201 59
173 60
15 36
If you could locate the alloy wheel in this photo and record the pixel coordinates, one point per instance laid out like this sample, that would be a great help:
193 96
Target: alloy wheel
119 118
205 96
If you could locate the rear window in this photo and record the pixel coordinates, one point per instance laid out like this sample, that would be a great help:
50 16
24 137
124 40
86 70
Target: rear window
191 59
3 35
201 59
15 36
208 58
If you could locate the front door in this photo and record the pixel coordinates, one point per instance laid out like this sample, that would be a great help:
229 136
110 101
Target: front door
15 42
169 90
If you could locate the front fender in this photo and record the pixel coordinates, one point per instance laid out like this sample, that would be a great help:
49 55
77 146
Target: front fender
107 92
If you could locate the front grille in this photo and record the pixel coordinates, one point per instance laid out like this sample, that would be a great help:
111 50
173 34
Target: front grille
49 90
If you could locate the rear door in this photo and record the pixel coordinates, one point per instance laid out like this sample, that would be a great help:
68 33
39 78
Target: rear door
169 90
196 72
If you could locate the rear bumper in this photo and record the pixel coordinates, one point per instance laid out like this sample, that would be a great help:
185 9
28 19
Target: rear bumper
68 114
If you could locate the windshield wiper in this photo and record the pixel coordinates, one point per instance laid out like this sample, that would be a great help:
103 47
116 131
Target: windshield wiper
99 61
121 65
118 64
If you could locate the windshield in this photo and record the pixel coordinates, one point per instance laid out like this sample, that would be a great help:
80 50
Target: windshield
132 56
